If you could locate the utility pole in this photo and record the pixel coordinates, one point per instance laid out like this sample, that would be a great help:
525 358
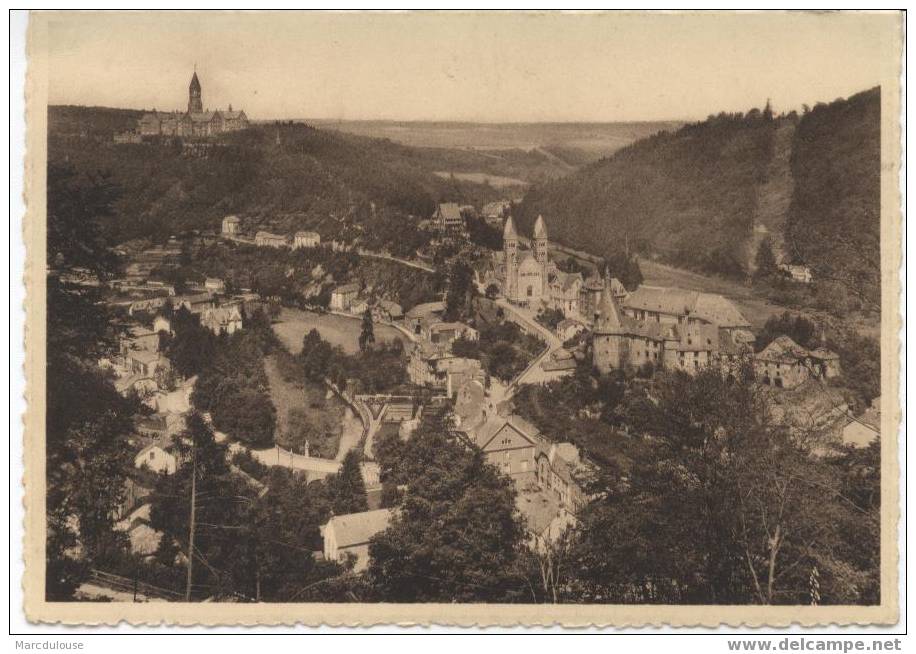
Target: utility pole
187 592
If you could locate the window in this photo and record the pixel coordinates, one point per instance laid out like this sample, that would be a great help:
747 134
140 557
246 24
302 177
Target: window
152 455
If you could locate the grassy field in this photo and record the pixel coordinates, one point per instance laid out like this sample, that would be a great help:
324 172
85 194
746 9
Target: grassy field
576 143
294 324
305 411
483 178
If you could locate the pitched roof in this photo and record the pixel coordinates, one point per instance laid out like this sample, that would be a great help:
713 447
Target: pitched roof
426 309
449 211
195 83
357 528
783 350
305 234
710 307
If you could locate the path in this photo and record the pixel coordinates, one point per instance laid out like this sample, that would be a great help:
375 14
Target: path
388 257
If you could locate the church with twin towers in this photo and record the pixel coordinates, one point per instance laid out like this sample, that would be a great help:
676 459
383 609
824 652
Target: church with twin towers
527 272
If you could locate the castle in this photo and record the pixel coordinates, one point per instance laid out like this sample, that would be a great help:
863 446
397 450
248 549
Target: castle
195 122
668 328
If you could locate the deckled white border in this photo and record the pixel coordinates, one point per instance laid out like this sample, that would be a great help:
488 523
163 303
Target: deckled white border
486 616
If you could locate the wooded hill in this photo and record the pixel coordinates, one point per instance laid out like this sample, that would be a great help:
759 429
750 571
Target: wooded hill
285 177
693 197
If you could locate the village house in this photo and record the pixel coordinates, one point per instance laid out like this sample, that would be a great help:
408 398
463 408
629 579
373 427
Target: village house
347 536
862 430
386 311
214 285
800 274
494 213
561 471
565 292
447 332
421 314
447 217
266 239
156 447
429 364
510 444
343 297
231 225
786 364
306 240
139 338
144 540
148 305
219 320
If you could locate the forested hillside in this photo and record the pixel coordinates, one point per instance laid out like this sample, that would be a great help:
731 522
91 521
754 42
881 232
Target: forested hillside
283 177
687 196
834 219
692 197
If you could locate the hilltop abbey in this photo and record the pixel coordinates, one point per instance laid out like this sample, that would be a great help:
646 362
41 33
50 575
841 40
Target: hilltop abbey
195 122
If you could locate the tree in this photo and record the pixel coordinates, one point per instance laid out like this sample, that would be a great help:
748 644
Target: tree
491 292
460 291
457 536
765 261
86 421
346 489
730 507
316 356
367 333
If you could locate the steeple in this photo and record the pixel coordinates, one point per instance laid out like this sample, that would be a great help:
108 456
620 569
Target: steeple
540 228
509 232
195 100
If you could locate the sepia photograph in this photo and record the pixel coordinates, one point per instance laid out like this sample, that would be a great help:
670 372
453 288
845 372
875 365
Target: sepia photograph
463 317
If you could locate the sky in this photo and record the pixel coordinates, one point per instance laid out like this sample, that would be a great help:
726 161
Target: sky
494 67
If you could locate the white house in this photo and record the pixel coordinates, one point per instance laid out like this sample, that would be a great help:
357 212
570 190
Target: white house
306 240
347 536
231 225
344 296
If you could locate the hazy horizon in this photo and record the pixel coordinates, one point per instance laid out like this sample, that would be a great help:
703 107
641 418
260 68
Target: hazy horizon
497 68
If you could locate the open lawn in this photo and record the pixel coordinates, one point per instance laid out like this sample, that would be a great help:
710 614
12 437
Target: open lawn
305 411
294 324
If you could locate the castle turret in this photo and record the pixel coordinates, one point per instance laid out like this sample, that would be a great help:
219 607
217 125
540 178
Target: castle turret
609 341
195 100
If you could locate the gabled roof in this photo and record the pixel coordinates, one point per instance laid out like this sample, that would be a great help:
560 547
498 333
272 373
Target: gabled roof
353 529
496 424
449 211
783 350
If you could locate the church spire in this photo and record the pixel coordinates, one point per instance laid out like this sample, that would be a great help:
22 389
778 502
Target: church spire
195 100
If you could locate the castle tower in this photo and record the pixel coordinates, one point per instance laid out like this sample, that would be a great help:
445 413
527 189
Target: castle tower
510 249
195 100
609 344
540 251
